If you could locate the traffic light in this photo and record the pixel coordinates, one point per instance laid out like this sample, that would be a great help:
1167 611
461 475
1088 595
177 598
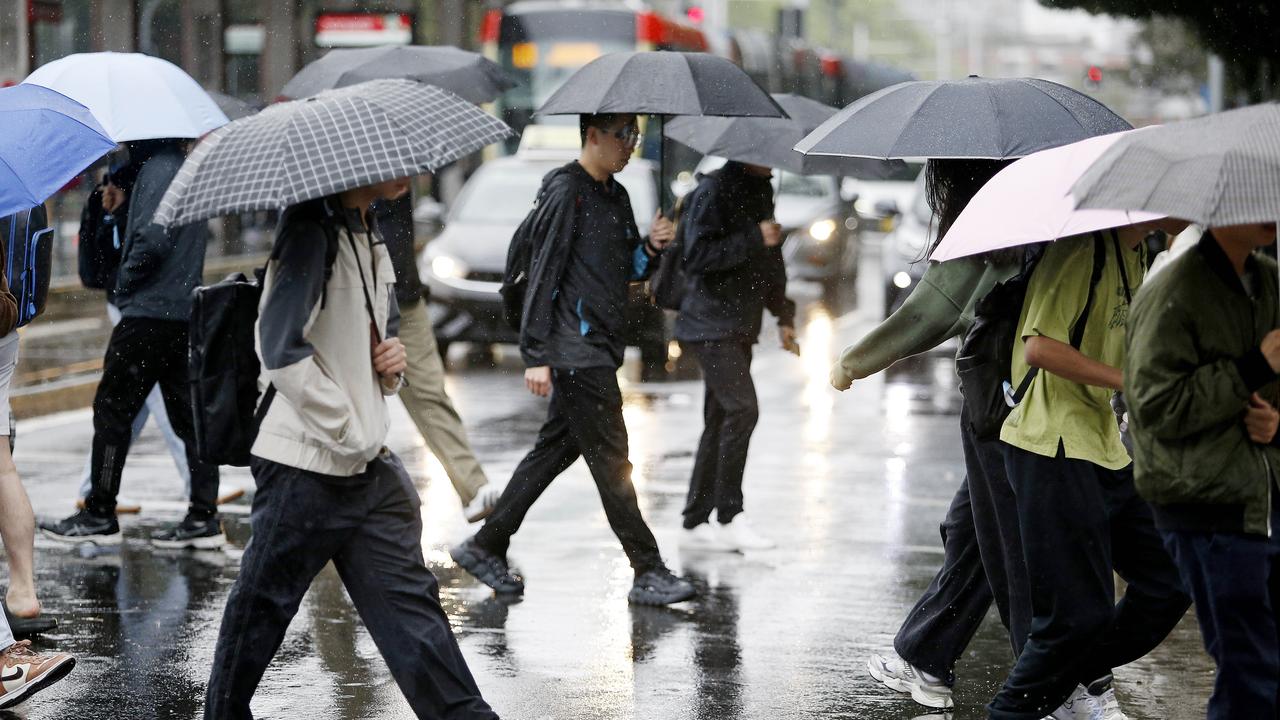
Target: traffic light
1093 77
695 14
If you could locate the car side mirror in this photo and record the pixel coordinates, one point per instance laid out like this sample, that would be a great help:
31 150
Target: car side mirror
887 208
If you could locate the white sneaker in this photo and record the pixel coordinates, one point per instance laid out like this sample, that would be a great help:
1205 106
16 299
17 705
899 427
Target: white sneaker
703 537
740 535
898 674
1084 704
482 505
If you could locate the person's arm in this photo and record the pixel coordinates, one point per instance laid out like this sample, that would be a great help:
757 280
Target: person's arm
1170 392
288 358
776 300
1059 358
931 314
552 234
708 247
148 244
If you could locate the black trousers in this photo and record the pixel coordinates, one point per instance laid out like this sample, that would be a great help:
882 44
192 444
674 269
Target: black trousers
982 561
370 526
141 353
729 413
584 420
1082 522
1235 582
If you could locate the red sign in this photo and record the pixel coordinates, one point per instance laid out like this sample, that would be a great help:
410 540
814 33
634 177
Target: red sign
363 29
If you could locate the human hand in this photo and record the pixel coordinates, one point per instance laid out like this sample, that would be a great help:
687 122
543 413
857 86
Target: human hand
538 380
112 197
661 231
1261 420
840 379
787 339
1271 349
389 359
772 233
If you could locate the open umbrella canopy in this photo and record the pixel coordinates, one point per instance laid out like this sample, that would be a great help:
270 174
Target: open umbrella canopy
133 96
468 75
47 140
233 107
661 83
1221 169
1029 201
335 141
981 118
765 140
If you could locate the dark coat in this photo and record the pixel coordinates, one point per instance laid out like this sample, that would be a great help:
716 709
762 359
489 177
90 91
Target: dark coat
731 277
1192 361
586 251
159 267
394 219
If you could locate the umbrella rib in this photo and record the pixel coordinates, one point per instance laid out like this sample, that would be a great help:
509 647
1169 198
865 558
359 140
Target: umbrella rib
923 99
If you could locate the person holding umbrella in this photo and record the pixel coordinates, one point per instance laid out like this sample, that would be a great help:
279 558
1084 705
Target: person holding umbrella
328 489
733 270
586 250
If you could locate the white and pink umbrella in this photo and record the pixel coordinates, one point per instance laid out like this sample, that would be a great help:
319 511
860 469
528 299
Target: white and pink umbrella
1030 201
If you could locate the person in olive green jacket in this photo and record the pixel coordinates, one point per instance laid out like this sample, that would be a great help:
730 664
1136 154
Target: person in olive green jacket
1200 380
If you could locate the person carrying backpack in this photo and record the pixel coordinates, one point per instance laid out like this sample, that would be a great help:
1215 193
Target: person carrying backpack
1073 483
103 224
328 488
733 270
583 249
159 268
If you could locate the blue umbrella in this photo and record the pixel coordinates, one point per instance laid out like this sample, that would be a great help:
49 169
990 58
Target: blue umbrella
46 139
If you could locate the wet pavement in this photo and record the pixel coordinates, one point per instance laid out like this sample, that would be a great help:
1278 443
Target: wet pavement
851 485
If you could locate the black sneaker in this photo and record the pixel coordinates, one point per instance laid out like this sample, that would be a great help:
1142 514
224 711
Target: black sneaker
660 587
486 567
192 532
84 527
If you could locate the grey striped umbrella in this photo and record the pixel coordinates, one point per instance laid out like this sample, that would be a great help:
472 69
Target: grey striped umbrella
335 141
1221 169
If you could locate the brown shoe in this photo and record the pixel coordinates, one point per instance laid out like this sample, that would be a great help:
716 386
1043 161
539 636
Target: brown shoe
23 672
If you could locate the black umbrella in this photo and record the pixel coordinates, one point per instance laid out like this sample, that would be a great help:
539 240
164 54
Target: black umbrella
987 118
468 75
234 108
769 141
661 83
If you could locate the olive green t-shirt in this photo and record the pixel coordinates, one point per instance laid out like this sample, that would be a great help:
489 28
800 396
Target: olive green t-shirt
1055 409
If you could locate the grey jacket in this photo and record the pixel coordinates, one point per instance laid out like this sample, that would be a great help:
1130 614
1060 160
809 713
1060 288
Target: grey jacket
158 268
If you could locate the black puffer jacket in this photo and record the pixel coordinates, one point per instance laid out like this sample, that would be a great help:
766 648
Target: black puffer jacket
731 277
394 219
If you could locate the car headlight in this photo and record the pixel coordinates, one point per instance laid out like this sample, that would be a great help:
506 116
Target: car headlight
448 267
823 230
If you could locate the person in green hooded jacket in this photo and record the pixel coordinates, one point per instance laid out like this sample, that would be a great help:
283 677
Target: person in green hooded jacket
1200 380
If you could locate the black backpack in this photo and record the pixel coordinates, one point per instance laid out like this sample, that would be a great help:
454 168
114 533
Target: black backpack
224 365
515 274
28 259
101 244
984 361
666 287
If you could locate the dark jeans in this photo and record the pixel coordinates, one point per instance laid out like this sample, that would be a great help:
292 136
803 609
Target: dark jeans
995 519
1235 582
141 353
584 420
729 413
370 526
982 560
1084 521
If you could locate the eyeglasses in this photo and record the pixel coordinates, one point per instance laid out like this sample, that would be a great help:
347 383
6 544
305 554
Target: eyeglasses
629 134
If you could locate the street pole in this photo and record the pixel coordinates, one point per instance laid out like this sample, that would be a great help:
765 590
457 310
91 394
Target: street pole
942 40
1217 83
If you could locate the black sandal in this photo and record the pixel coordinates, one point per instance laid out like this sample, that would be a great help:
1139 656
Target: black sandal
24 628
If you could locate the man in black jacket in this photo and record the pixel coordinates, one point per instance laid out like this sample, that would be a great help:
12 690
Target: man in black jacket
734 270
587 249
159 268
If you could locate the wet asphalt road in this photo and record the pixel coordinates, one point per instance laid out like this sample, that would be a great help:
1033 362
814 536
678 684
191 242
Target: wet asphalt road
851 485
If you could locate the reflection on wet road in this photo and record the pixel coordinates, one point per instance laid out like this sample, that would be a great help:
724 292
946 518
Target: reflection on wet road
852 486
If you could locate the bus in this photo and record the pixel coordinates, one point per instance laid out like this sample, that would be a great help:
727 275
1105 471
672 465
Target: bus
541 43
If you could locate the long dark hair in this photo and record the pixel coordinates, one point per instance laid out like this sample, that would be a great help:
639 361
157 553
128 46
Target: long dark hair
949 185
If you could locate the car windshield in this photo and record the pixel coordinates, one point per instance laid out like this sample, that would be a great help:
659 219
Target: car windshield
504 195
802 185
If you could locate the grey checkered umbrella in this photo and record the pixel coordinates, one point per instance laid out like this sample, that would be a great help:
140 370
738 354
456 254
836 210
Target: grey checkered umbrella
335 141
1221 169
